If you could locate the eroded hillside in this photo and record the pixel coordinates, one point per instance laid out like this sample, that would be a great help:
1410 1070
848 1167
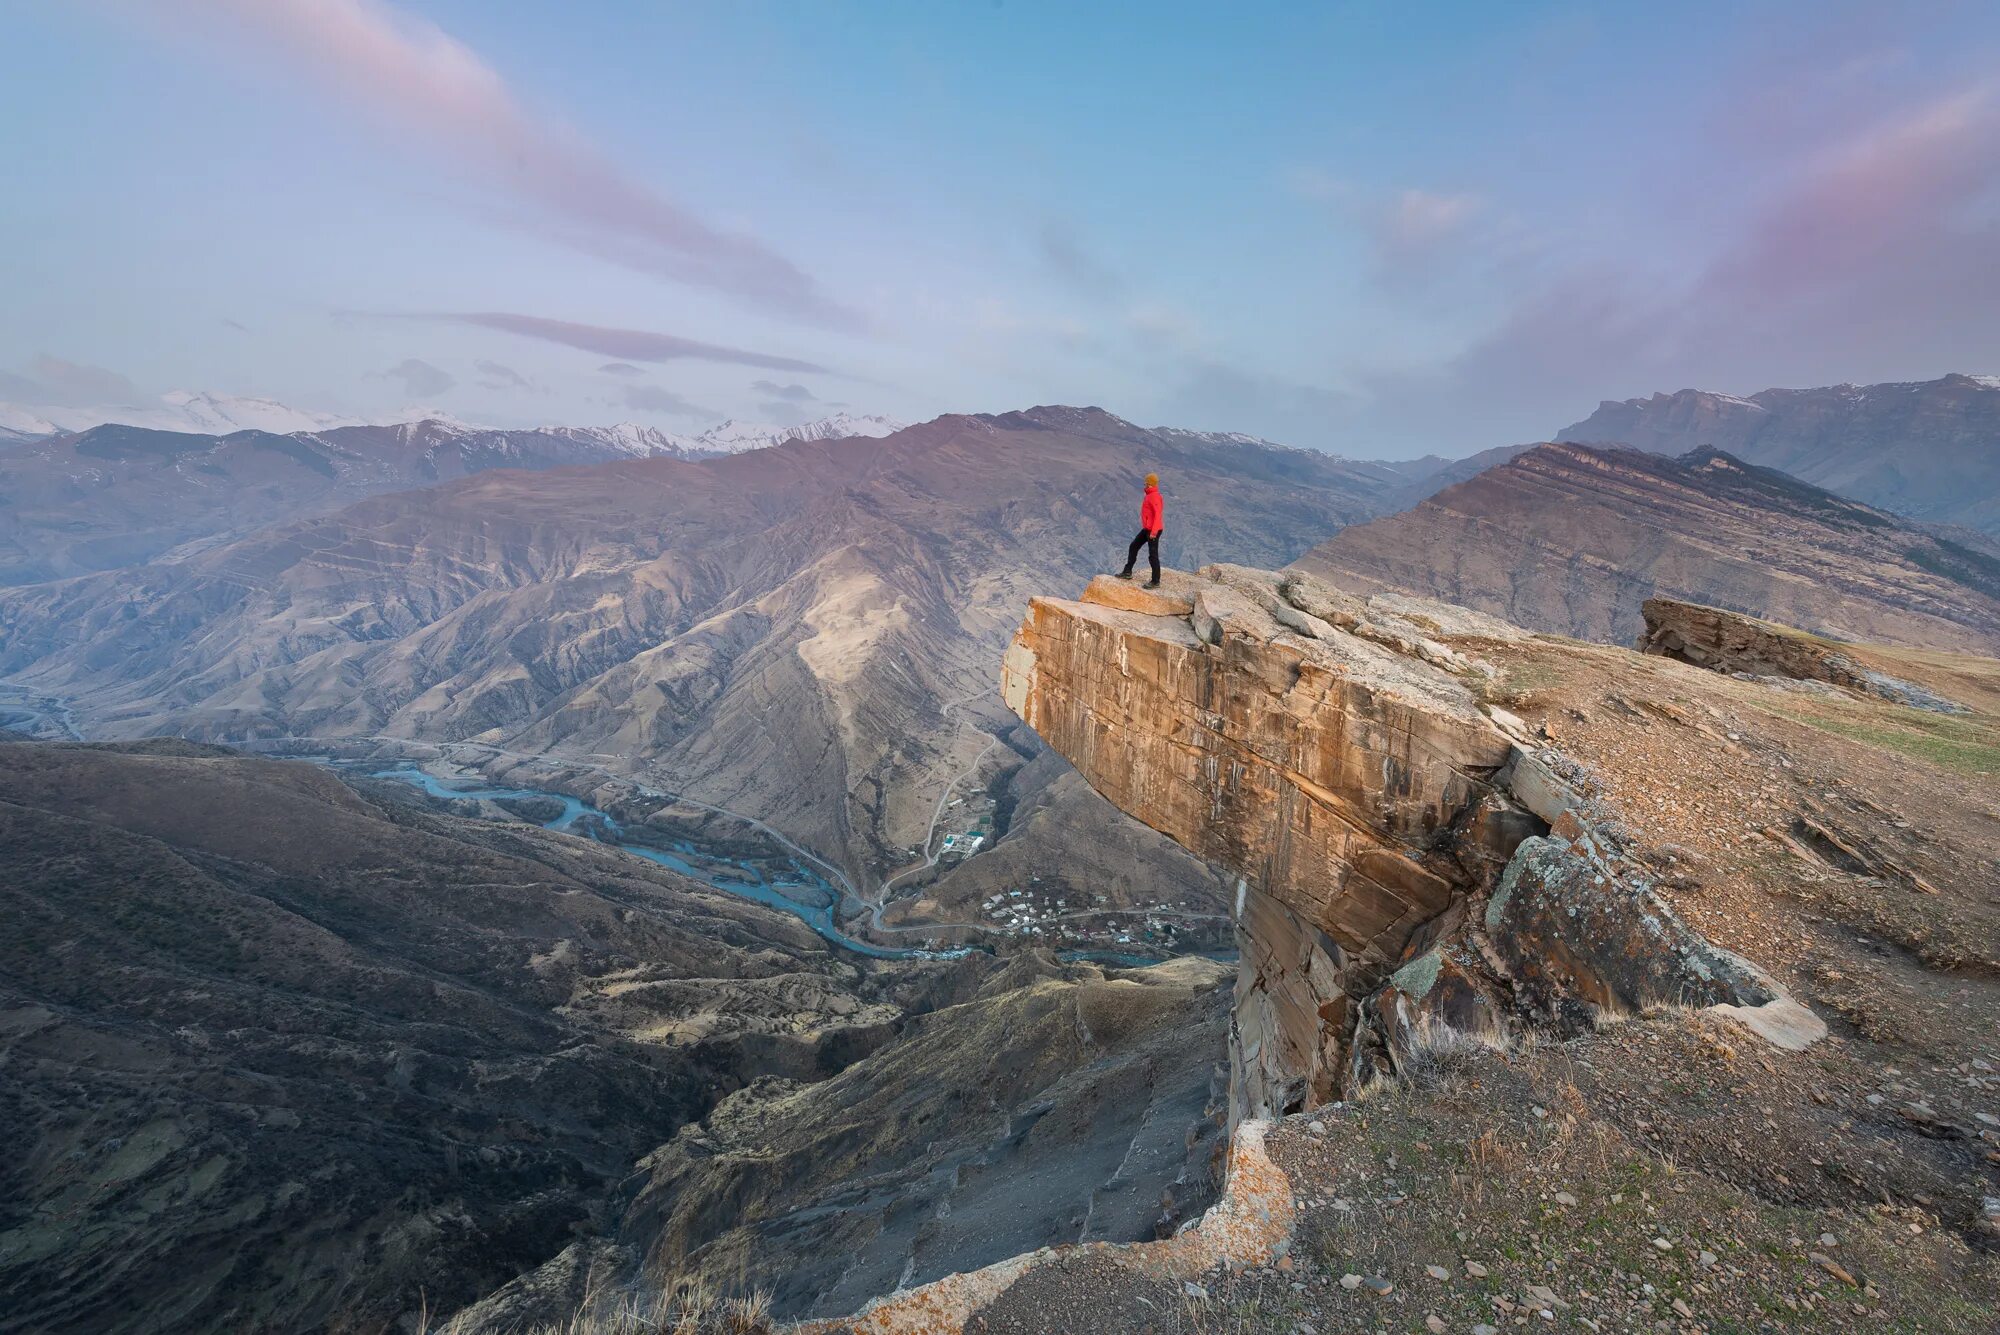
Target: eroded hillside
283 1053
1573 539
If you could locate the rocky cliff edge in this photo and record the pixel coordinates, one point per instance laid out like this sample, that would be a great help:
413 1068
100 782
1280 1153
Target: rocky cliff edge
1416 869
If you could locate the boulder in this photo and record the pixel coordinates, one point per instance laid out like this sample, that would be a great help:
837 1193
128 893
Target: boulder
1584 936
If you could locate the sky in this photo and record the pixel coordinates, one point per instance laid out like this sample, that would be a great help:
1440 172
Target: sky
1379 229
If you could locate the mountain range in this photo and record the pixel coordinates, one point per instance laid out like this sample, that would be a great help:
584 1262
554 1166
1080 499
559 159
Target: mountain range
1574 539
119 494
302 1049
784 633
1926 449
199 412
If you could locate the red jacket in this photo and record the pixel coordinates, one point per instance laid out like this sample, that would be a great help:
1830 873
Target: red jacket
1153 511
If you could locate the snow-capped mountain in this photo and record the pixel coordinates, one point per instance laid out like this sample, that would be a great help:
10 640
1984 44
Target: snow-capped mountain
220 414
641 442
730 437
201 414
733 437
18 424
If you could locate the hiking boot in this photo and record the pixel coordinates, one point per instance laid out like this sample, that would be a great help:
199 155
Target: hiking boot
1152 584
1124 574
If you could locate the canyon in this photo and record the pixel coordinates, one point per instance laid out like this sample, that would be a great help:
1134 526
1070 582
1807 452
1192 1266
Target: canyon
802 633
300 1050
1488 905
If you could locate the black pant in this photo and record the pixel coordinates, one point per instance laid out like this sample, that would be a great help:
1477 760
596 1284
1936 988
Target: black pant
1151 542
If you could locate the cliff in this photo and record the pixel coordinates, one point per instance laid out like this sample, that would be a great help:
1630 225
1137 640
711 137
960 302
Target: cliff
1414 869
1500 1052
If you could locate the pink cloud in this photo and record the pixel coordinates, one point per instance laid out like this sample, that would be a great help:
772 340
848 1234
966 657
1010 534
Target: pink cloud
1872 256
426 86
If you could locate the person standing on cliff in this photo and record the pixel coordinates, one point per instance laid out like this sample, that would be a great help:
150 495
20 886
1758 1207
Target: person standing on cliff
1152 523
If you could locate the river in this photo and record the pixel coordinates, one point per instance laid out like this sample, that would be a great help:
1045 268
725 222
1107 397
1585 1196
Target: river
729 875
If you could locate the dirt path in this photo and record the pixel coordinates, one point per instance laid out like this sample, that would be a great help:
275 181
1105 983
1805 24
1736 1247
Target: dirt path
937 814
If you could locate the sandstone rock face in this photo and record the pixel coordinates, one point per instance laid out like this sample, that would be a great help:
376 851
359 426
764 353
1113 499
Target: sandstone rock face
1337 778
1326 772
1414 871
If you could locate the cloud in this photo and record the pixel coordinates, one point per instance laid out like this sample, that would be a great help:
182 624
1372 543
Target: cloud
420 379
500 377
1407 230
1415 221
1065 256
1871 257
653 399
53 381
1208 393
787 393
425 87
1904 196
783 413
632 345
620 368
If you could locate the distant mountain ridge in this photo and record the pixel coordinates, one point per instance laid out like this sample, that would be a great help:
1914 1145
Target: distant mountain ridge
1574 538
119 493
1929 449
733 437
199 412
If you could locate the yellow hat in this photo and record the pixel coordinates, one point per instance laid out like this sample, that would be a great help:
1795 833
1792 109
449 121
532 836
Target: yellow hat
1152 479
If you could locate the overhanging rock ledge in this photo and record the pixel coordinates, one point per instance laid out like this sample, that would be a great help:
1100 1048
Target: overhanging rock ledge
1415 870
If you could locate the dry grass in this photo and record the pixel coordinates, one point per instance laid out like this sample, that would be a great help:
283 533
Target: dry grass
683 1309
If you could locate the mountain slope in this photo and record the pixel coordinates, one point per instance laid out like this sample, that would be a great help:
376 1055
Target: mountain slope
784 633
1929 449
1573 539
288 1052
283 1056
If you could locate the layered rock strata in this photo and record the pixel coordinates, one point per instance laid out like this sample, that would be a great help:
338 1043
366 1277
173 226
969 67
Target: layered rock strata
1414 869
1743 645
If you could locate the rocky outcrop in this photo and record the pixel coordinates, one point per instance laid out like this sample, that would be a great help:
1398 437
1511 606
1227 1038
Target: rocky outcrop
1742 645
1414 870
